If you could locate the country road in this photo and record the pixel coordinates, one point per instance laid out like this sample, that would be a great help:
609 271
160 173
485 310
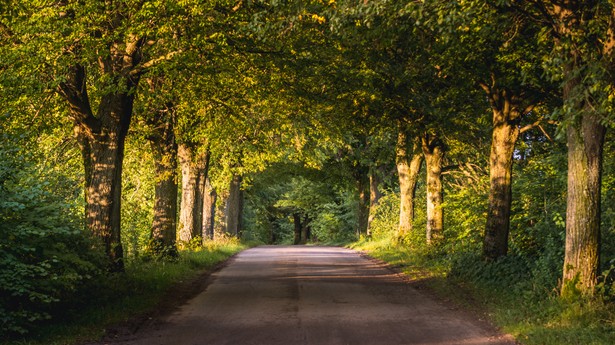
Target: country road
313 295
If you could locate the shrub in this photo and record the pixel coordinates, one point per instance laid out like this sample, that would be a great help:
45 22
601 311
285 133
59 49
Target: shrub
44 255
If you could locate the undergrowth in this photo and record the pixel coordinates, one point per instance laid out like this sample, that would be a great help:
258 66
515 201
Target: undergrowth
113 299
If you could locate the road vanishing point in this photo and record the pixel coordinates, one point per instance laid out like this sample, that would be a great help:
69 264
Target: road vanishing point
288 295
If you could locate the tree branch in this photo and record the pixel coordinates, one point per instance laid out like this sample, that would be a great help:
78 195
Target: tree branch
144 67
531 125
74 90
545 133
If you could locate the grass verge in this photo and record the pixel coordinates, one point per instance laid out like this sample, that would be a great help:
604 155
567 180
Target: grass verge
123 302
504 293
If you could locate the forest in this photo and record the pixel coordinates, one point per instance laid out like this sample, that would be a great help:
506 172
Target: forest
468 141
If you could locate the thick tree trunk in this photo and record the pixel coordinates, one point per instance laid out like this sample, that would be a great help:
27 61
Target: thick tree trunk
164 227
374 197
434 154
503 139
585 139
103 155
234 205
582 255
507 108
101 138
297 228
408 167
193 168
209 210
363 205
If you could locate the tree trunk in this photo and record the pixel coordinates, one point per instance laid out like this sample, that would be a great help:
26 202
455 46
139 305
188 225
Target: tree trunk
233 207
434 154
495 243
297 229
585 140
209 210
273 224
305 230
164 227
374 196
103 155
408 167
101 139
193 168
363 205
582 255
503 138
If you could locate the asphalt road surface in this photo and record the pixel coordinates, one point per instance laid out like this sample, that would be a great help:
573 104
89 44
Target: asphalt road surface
313 295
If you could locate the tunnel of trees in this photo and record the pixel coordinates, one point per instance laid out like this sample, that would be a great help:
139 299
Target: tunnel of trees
134 128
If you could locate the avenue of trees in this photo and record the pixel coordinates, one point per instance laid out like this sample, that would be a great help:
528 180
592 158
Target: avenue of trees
135 129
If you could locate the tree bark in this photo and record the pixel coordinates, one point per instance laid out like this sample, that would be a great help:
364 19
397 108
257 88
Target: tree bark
101 138
582 254
209 210
101 135
506 116
306 231
104 186
193 166
408 167
297 229
164 227
433 151
585 140
374 196
234 207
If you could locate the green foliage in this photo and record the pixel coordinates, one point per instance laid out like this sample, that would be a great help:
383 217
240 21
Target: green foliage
45 257
115 298
283 189
336 219
386 217
137 198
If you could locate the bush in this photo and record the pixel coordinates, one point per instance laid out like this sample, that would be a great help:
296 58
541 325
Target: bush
44 255
386 217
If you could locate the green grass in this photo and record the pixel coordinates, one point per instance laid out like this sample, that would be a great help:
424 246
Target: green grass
127 296
534 316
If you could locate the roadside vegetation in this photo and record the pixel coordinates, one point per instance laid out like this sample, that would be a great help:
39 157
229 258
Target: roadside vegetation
148 288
